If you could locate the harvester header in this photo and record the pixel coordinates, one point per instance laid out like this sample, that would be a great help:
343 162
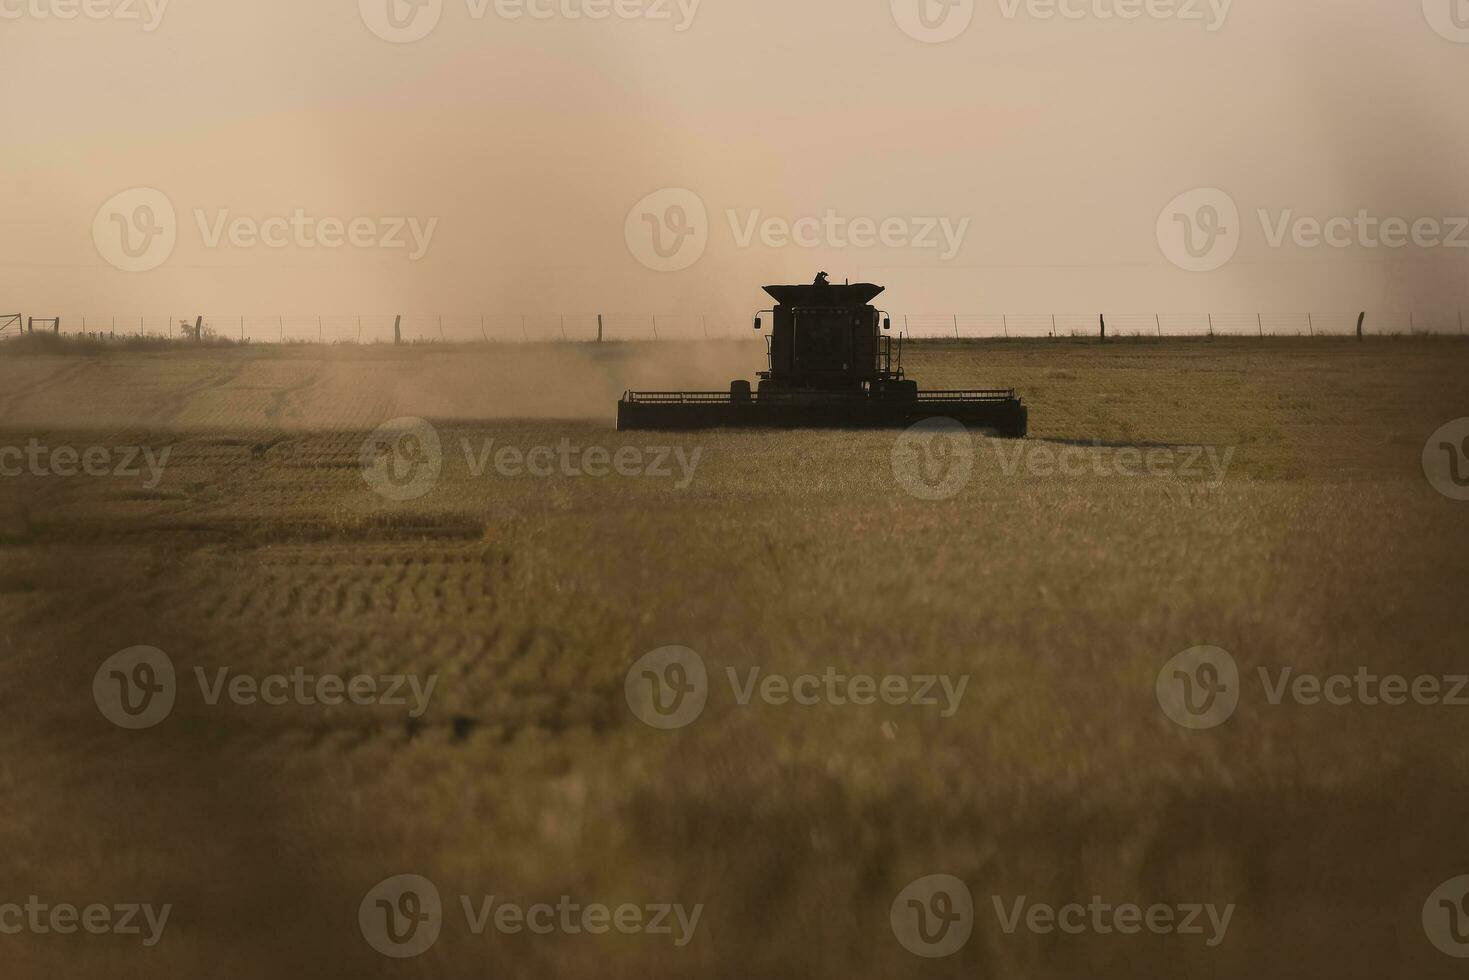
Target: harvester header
831 364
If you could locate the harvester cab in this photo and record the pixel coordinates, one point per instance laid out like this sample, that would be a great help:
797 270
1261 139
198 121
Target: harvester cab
827 338
832 363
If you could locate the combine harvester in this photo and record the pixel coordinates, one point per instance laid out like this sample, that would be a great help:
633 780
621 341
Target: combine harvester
830 367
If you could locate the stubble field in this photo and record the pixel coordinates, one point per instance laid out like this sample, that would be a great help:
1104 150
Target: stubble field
1263 497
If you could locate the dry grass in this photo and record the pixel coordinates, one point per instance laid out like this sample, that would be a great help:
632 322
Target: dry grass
262 549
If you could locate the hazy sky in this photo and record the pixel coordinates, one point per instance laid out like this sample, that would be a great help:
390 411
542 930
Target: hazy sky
1023 165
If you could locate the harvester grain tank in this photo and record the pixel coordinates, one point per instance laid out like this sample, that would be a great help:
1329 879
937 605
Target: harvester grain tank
832 364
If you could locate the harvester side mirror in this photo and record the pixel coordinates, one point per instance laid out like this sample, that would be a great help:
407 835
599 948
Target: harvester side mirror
887 323
757 323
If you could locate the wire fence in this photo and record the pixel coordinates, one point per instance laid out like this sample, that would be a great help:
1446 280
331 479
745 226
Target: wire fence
592 327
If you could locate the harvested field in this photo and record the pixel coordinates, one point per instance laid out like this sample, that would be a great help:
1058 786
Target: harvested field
1266 497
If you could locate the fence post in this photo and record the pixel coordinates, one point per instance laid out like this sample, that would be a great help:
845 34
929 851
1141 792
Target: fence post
1211 324
199 329
1361 318
1103 318
318 328
1260 323
441 327
359 328
1311 323
242 329
397 329
599 328
1158 322
482 335
281 320
655 326
956 326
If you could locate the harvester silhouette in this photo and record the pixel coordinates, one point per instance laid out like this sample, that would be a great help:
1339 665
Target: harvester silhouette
830 366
